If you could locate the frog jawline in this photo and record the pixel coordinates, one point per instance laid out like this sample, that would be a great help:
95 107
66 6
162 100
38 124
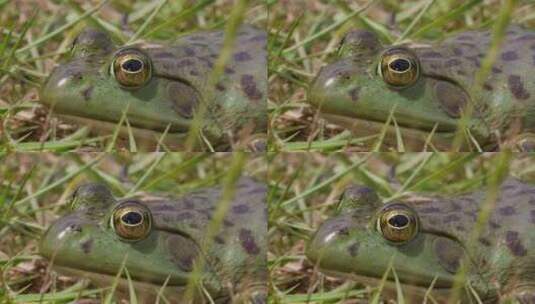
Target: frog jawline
147 134
104 278
415 137
390 286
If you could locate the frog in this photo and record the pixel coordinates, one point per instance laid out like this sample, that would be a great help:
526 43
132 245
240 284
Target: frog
426 91
426 240
159 87
161 240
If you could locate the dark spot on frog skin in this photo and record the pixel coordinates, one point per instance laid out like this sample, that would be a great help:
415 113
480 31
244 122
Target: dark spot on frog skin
189 51
517 87
184 99
184 62
249 87
242 56
532 216
531 201
229 71
451 218
183 216
220 87
87 246
247 242
449 254
509 56
240 209
164 55
429 210
494 225
457 51
453 62
431 54
227 223
218 239
353 249
193 72
87 93
452 98
487 86
189 204
354 94
514 244
506 211
496 70
484 241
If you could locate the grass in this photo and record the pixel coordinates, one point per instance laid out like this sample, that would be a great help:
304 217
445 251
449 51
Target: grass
301 43
35 188
35 38
305 189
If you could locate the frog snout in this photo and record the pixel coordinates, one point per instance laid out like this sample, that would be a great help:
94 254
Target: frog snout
57 235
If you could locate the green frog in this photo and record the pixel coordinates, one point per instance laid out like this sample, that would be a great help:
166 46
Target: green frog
161 86
426 239
429 87
160 240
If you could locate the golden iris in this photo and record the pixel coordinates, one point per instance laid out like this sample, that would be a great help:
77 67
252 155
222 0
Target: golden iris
398 223
131 221
399 67
131 68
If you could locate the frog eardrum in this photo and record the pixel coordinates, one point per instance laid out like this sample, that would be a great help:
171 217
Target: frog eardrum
399 67
131 221
131 68
397 223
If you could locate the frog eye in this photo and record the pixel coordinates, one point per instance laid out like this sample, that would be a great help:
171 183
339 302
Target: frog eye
397 225
131 68
399 67
131 221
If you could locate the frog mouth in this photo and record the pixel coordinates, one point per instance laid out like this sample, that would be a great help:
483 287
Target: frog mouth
412 137
439 292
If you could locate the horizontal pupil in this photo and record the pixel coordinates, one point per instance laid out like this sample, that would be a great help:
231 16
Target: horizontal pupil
398 221
132 65
400 65
131 218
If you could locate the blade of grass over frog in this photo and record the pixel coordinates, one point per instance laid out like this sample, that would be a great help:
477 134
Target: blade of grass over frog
377 295
463 159
399 137
415 21
162 138
498 35
117 130
494 180
147 22
442 20
26 26
60 181
328 144
386 125
322 297
20 188
212 229
328 181
189 162
428 139
131 290
199 5
56 146
427 294
147 173
160 294
61 29
399 291
99 23
231 30
132 146
328 29
111 294
56 297
414 173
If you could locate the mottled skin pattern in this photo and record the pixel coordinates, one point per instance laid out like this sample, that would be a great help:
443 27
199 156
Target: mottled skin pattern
350 91
83 243
84 90
501 264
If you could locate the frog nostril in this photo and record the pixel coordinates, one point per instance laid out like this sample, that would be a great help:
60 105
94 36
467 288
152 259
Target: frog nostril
74 227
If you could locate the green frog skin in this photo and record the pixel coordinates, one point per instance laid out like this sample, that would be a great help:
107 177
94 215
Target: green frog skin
161 86
428 86
160 238
427 238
